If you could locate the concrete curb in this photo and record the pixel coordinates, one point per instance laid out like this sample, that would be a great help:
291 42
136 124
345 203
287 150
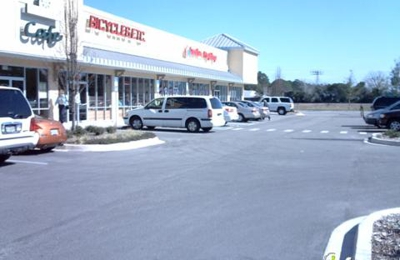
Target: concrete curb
111 147
376 138
365 229
363 239
335 243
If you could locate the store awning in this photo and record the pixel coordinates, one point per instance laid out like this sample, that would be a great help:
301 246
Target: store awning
118 60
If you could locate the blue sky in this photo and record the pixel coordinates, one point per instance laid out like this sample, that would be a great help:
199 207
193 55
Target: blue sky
297 36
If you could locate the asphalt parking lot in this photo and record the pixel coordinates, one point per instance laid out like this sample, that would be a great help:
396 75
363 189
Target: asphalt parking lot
246 191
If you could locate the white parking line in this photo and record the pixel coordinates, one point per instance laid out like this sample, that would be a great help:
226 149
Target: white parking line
324 132
271 130
237 128
343 132
307 131
27 162
363 133
288 130
254 129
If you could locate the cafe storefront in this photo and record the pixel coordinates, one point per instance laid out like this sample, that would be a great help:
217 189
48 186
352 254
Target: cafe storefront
123 64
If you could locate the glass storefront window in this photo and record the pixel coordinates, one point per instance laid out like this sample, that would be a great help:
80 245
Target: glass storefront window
43 89
92 90
147 89
235 93
11 71
32 87
140 92
134 97
32 82
100 93
172 88
199 89
222 92
181 87
99 97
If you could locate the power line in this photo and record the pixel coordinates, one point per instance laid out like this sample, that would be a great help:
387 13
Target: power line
316 73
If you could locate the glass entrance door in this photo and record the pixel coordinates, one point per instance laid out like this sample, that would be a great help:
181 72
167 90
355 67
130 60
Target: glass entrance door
81 103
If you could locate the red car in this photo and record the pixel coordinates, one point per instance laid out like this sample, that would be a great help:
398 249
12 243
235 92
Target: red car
51 133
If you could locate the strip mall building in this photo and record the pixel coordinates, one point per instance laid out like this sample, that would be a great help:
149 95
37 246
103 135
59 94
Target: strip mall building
123 64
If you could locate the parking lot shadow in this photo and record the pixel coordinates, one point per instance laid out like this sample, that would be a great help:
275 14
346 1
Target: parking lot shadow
366 128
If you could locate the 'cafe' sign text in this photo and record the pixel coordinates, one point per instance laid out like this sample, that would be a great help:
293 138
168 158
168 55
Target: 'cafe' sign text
42 34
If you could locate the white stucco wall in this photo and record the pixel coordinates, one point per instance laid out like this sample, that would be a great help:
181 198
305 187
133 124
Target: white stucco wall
244 64
157 44
250 68
14 19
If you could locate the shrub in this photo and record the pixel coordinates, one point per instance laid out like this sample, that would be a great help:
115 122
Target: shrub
111 129
392 134
119 138
95 130
79 131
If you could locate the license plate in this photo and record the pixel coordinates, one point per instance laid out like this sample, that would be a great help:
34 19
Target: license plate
54 131
10 129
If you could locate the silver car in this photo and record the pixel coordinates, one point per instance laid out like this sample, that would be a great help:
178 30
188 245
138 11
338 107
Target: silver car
245 112
264 111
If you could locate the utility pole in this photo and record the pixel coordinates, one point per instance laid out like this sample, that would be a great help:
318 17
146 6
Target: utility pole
316 73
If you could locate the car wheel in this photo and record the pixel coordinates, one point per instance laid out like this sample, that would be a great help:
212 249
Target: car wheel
193 125
281 111
241 118
136 123
48 149
207 129
4 157
394 125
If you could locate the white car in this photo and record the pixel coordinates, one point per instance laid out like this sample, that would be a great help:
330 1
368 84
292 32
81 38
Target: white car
16 115
190 112
230 113
281 105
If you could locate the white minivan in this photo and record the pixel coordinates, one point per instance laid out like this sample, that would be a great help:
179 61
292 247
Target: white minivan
16 116
190 112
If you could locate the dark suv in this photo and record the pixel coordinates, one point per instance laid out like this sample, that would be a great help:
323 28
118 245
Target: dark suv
382 102
390 119
15 123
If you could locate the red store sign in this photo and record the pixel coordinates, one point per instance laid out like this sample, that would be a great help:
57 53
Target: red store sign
116 28
196 53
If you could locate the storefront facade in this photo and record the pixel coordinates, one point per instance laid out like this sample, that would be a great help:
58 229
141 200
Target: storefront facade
123 64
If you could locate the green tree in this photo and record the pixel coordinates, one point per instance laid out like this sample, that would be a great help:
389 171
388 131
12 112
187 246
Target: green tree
395 77
337 93
360 93
263 83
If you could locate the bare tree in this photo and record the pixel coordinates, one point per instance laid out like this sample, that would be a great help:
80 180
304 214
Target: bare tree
68 71
377 80
277 86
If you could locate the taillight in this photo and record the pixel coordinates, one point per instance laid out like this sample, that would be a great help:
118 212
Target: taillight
209 113
34 126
